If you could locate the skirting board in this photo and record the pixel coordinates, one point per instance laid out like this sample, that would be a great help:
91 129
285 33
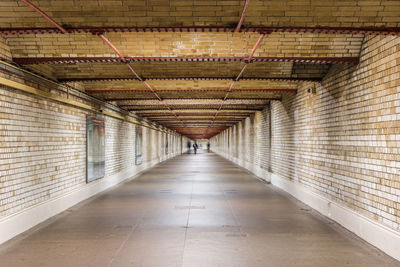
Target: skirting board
371 231
18 223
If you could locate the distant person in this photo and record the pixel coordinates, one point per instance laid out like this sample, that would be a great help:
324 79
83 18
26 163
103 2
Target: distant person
195 147
188 147
208 147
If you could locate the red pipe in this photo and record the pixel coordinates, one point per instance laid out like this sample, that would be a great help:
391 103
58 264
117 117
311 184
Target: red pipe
138 77
112 46
106 41
241 72
238 77
246 5
148 86
134 72
233 83
45 16
256 46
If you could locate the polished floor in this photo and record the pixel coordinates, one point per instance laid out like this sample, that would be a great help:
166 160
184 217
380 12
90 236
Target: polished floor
193 210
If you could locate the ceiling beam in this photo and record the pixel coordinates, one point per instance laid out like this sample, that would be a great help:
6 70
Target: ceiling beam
198 121
261 29
170 125
111 91
155 116
191 121
195 128
201 136
200 110
196 116
194 99
197 134
201 126
96 79
73 60
193 106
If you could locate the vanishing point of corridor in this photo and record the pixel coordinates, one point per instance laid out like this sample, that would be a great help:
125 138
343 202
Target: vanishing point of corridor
192 210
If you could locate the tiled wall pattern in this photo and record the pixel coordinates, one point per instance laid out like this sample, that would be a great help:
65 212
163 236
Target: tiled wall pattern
247 143
43 149
120 149
262 129
343 141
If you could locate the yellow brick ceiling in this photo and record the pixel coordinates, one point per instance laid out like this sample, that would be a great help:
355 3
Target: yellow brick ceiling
188 84
168 13
194 100
189 44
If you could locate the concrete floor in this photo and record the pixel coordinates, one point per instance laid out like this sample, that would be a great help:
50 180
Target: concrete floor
191 211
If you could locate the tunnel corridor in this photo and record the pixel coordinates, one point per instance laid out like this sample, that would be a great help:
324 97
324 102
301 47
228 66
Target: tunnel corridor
297 100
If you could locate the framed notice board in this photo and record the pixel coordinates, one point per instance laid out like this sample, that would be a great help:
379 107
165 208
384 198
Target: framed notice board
138 145
166 144
95 148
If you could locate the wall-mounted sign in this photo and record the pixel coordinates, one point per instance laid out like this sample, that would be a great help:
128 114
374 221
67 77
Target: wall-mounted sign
95 148
166 144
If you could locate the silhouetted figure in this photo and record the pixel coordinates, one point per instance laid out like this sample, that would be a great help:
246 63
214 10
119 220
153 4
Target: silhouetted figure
188 147
195 147
208 147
